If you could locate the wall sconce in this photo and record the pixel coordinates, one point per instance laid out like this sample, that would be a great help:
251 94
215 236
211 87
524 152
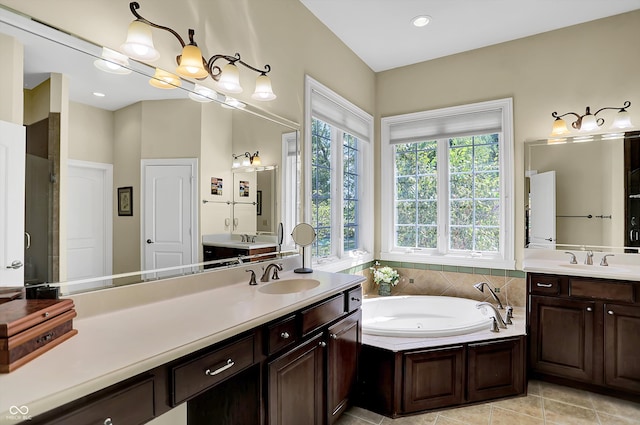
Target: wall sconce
191 63
247 160
590 122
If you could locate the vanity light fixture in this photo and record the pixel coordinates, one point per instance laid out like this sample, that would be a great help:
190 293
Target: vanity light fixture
247 160
232 103
164 80
202 94
191 63
589 122
113 62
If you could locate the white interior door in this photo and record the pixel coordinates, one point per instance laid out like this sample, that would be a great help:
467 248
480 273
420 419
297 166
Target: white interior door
245 185
12 168
169 228
542 209
89 220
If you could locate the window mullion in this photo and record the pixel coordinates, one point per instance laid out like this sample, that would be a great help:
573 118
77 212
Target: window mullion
337 247
443 196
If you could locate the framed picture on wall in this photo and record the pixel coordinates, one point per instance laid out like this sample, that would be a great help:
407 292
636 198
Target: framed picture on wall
125 201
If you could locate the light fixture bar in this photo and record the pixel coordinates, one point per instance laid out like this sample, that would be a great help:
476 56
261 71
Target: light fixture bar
589 122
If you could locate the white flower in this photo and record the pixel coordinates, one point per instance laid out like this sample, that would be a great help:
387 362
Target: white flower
385 275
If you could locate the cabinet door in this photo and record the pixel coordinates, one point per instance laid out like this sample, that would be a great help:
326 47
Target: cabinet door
433 378
562 337
296 388
343 349
495 369
622 339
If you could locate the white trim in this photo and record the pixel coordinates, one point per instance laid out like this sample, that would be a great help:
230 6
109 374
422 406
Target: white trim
340 260
195 238
387 210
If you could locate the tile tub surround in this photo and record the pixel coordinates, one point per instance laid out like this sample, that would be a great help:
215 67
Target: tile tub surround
545 404
415 281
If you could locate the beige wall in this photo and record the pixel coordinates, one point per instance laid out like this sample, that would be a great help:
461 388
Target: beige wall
90 133
592 64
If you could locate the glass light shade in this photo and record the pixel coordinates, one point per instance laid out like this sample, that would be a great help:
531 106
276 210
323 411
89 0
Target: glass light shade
589 123
232 103
139 44
256 160
191 63
112 62
246 161
202 94
559 127
236 162
164 80
622 120
263 89
229 79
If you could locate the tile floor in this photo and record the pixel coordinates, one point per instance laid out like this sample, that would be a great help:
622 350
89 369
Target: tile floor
545 404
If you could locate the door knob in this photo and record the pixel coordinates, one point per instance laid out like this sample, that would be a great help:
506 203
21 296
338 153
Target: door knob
149 241
15 264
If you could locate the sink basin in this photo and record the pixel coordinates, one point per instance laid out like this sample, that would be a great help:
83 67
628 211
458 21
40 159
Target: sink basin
288 286
610 269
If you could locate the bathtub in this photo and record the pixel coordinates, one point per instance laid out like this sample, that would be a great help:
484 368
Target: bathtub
423 316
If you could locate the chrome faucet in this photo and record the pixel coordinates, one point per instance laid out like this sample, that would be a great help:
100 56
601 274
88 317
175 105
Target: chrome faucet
497 316
573 257
480 287
589 258
275 267
604 262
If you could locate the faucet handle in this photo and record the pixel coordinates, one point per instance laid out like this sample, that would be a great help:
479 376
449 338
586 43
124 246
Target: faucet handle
573 257
252 279
604 262
508 320
275 275
494 325
588 259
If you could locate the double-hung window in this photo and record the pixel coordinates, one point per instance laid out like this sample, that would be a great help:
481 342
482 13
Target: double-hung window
447 186
338 155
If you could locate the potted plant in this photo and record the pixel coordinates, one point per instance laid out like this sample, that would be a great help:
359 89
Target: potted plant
385 277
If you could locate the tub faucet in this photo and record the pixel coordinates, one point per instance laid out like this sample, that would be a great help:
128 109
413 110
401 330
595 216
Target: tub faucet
265 275
480 287
497 316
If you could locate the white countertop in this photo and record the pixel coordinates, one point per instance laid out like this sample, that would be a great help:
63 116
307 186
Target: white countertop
405 343
120 343
229 241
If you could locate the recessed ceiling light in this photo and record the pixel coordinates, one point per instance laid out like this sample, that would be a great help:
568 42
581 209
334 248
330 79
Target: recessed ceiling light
421 20
98 94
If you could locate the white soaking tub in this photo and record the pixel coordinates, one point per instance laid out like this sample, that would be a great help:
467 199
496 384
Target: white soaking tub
423 316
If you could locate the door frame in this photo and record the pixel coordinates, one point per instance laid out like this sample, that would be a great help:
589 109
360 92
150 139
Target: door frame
107 170
195 239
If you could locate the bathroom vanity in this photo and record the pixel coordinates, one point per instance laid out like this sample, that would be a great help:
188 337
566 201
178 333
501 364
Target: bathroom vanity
238 353
585 331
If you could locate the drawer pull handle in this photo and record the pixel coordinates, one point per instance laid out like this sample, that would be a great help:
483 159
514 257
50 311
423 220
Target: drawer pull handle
589 309
108 421
333 336
355 299
322 344
544 285
610 312
285 335
229 365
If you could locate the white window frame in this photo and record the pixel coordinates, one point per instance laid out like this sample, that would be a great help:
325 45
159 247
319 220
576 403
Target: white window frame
364 252
389 252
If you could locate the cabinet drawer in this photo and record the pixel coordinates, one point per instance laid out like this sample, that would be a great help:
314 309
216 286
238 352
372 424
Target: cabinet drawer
195 376
132 404
281 334
544 285
586 288
354 299
321 314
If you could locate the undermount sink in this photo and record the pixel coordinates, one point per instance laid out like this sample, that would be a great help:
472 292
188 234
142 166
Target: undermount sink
611 269
288 286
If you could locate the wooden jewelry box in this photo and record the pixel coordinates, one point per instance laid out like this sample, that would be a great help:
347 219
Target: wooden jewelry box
31 327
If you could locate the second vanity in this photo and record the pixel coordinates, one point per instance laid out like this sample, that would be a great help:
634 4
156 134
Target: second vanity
584 323
232 352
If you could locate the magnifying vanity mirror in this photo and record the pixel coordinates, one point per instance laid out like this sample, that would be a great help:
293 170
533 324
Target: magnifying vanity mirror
88 156
583 192
303 235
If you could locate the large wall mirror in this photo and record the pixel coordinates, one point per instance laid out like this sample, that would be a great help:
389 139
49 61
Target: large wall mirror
583 192
104 166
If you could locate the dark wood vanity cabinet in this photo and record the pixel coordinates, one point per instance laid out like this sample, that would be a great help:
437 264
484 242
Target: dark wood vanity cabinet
495 369
585 330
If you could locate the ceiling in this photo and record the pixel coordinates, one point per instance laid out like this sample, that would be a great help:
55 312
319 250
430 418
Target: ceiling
381 34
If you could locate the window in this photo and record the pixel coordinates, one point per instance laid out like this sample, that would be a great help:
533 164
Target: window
447 186
338 155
